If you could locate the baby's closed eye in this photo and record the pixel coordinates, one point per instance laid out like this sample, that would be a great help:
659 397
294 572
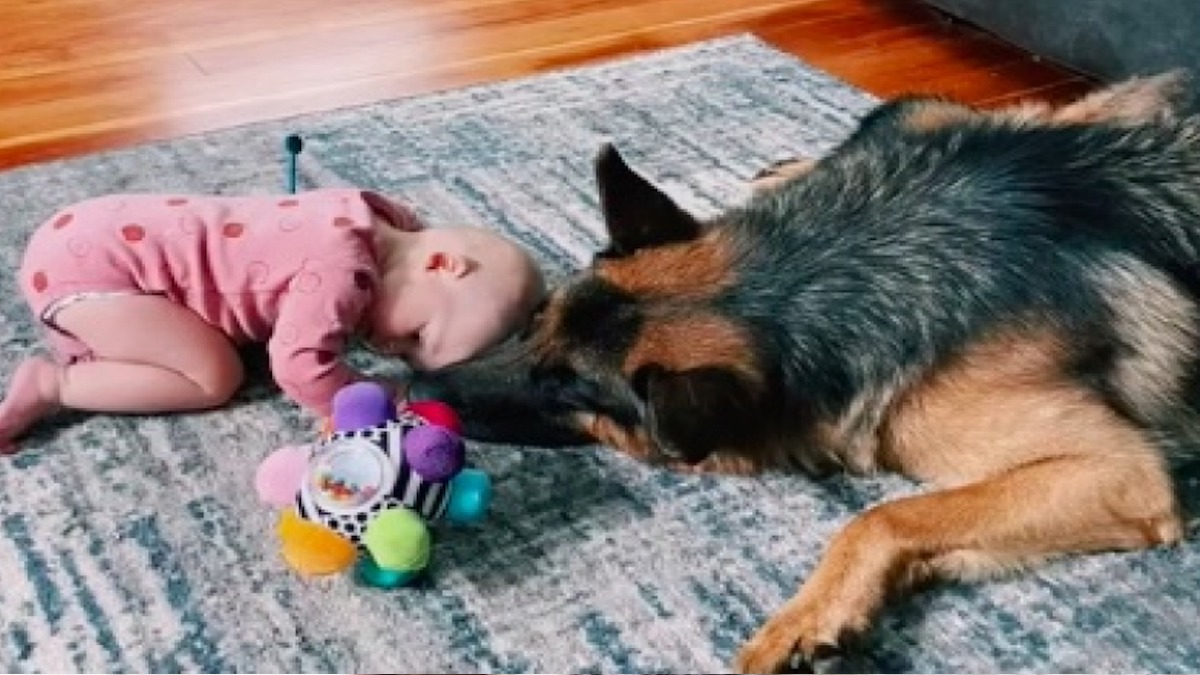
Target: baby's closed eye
401 346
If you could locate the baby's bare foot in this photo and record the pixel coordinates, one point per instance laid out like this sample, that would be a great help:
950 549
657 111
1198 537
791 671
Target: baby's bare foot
32 395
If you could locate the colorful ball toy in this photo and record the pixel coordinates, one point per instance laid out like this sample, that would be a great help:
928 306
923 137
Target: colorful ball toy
367 492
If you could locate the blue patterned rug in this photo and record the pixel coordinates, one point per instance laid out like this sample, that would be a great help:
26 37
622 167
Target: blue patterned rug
137 544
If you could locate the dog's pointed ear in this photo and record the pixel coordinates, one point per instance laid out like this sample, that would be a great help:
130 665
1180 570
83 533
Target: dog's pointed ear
690 414
637 214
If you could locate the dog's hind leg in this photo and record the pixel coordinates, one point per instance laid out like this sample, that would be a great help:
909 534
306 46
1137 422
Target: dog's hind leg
1135 101
1138 100
778 173
1036 466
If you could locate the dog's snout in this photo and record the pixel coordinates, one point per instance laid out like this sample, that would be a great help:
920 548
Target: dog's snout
553 379
425 387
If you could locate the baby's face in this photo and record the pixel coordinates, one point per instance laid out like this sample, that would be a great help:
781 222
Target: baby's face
459 329
455 293
436 325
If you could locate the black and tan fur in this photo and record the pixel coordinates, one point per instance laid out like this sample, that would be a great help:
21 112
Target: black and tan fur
1005 304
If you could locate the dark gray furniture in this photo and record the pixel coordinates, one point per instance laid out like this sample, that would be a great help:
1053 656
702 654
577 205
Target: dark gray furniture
1107 39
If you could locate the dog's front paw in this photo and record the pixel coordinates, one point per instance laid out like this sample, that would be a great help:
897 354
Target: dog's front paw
786 656
795 641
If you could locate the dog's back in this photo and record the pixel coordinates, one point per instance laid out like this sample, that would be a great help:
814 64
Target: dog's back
908 244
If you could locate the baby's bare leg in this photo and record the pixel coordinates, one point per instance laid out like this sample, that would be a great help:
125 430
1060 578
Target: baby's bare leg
151 356
32 394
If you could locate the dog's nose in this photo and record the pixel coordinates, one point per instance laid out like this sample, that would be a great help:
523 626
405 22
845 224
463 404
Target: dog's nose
424 387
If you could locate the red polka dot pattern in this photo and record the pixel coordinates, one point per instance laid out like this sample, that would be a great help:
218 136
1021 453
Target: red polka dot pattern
263 270
133 233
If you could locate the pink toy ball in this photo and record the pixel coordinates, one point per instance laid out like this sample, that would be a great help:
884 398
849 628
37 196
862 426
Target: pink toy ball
438 413
280 474
434 452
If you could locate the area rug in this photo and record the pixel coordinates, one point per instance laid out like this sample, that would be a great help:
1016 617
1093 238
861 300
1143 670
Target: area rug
137 544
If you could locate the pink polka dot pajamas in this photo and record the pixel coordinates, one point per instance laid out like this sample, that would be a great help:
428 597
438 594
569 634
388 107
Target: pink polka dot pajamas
296 272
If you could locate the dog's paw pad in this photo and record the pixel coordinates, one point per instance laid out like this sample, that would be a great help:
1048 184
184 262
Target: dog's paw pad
825 658
778 658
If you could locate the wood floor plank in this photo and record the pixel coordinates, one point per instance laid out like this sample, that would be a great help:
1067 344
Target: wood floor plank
83 75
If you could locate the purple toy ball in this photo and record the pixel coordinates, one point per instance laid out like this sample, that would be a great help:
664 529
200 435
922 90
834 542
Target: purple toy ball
434 453
361 405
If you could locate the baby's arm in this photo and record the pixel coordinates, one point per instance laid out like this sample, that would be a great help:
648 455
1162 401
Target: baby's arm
317 316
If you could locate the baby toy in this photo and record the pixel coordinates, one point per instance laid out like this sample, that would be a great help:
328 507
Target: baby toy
293 145
368 490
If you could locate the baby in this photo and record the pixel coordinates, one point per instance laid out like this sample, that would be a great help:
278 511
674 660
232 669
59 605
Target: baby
146 298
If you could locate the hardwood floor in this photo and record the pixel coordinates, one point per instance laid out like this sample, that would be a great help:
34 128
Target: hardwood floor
84 75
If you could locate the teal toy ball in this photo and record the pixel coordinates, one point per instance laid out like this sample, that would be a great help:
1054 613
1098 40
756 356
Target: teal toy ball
470 497
371 574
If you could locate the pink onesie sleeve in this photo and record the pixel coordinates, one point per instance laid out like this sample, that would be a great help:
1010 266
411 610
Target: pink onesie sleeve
323 306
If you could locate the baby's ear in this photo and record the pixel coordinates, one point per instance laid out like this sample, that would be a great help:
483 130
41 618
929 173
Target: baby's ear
444 262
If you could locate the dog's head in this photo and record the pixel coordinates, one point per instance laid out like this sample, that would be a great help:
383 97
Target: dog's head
650 348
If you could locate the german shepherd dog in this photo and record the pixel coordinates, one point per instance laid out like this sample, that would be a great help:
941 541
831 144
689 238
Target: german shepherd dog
1003 304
